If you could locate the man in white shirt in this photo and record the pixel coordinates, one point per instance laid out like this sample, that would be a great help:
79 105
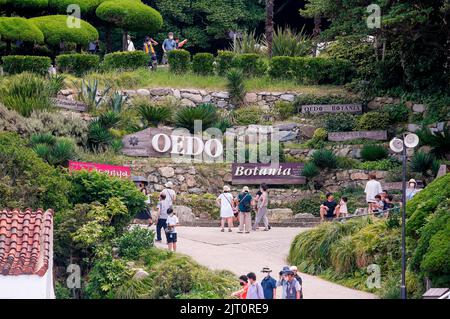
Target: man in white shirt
373 188
130 47
171 195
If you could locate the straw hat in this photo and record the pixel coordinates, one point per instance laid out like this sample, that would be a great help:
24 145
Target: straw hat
226 188
412 180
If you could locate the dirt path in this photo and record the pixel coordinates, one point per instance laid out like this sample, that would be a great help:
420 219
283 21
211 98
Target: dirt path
242 253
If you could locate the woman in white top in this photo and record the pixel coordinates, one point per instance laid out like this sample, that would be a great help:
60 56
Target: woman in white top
226 204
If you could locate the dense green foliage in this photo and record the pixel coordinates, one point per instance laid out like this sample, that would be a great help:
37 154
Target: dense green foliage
179 61
251 64
16 28
55 151
86 6
438 141
78 64
26 180
125 60
371 152
280 67
287 42
340 122
324 159
372 121
132 243
424 163
224 61
152 115
206 113
203 63
130 15
56 30
14 64
236 86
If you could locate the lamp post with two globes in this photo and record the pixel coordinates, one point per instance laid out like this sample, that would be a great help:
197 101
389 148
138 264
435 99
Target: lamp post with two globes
399 145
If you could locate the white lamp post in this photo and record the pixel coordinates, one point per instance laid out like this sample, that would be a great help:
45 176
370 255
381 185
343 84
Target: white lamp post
399 145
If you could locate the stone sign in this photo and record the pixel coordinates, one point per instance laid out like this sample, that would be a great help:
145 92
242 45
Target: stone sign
71 105
347 136
272 174
331 108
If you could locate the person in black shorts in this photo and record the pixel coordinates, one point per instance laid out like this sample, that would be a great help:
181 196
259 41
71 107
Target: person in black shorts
328 208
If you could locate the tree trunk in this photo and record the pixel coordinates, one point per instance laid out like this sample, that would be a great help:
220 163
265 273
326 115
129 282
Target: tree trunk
124 41
269 26
8 47
316 32
108 38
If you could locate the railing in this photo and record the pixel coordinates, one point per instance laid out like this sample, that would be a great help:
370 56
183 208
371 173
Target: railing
394 210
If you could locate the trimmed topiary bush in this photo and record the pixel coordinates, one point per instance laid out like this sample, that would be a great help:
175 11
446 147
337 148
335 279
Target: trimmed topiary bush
86 6
56 30
372 121
281 67
16 28
224 61
203 63
321 70
14 64
324 159
126 60
251 64
77 64
179 61
372 152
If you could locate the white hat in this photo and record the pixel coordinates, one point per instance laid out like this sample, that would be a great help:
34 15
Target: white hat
226 188
293 268
245 189
169 184
412 180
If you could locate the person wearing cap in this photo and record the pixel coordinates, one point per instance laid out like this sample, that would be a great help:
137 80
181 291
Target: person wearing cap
168 45
244 200
171 195
282 281
298 278
411 190
226 204
269 284
293 287
130 44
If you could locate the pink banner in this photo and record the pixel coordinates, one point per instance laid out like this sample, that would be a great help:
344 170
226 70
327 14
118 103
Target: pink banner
111 170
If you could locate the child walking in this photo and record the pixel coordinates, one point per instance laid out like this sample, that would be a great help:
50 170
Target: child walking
172 222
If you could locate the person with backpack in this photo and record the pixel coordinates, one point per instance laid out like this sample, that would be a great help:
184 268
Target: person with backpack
299 279
244 200
255 290
292 286
149 49
226 204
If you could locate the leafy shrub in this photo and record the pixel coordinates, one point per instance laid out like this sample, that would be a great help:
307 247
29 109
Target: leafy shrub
47 188
132 243
55 151
396 113
251 64
438 141
372 121
152 115
88 187
224 62
387 164
14 64
371 152
320 70
424 163
236 86
78 64
284 109
340 122
186 117
26 93
324 159
203 63
345 162
280 67
287 42
320 134
179 61
17 28
310 170
100 136
307 205
126 60
247 115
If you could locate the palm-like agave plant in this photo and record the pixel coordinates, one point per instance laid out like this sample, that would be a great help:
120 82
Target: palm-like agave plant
206 113
152 115
109 119
424 163
117 101
44 138
248 43
438 141
99 137
236 86
89 93
62 151
287 42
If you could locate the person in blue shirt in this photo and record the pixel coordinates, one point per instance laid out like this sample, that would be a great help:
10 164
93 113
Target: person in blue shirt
245 209
168 45
269 284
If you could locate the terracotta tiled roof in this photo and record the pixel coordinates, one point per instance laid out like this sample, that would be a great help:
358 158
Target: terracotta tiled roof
25 239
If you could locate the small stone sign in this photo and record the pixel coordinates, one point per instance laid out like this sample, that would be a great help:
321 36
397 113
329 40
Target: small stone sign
347 136
71 105
331 108
140 144
272 174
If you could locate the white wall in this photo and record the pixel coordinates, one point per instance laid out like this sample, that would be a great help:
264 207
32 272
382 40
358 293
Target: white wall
27 287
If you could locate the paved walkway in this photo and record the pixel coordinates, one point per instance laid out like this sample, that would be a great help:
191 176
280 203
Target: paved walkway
242 253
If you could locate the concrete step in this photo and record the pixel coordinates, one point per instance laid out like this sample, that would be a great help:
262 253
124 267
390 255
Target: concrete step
304 222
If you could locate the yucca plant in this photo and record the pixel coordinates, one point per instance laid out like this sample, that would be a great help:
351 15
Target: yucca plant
186 117
424 163
117 101
56 83
56 151
310 170
438 141
236 86
287 42
99 137
109 119
152 115
248 43
44 138
324 159
88 93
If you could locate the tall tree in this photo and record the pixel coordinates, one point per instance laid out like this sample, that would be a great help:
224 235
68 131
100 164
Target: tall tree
269 26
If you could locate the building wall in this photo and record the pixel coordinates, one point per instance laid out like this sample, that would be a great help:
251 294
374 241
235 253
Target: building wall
27 287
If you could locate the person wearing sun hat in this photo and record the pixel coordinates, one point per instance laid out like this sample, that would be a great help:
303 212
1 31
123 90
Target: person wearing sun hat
244 200
226 204
269 284
411 190
171 195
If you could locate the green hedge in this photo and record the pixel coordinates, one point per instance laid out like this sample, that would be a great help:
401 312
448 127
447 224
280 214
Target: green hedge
224 62
14 64
126 60
251 64
203 63
179 61
280 67
77 64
